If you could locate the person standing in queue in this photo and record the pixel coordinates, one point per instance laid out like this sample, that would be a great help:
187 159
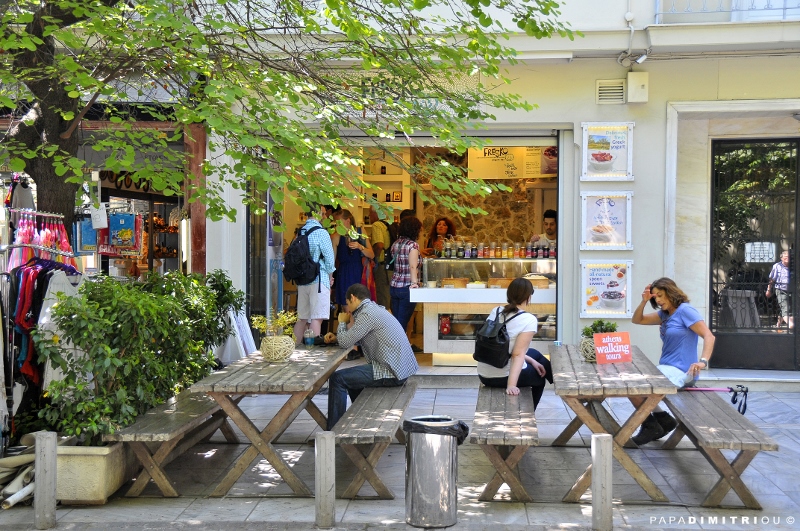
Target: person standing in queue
381 240
680 327
314 299
405 251
550 233
527 367
390 360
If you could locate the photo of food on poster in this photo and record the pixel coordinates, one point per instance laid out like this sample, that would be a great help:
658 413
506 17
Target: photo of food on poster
607 152
606 220
605 287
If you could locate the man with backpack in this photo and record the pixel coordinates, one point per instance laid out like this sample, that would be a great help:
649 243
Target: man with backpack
311 252
382 241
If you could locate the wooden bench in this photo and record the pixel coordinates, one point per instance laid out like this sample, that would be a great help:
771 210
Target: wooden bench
504 427
713 425
187 418
366 430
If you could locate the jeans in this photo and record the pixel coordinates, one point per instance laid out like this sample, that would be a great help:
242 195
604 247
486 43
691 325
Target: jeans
352 381
402 307
528 377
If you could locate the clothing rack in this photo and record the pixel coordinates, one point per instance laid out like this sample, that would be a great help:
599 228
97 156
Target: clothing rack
38 213
5 248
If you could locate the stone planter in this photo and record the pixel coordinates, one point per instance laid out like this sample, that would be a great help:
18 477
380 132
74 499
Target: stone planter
88 475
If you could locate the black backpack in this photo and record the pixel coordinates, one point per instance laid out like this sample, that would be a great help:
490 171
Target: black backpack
298 265
492 341
388 258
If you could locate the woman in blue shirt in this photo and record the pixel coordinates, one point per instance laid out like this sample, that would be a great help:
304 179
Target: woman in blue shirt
680 326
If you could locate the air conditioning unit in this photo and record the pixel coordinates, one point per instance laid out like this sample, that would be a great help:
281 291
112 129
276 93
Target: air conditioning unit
610 91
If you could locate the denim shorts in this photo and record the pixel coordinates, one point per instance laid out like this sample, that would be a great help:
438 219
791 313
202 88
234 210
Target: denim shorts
676 376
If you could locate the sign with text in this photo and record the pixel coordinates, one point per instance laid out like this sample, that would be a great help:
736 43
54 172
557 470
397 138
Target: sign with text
607 151
606 220
605 286
613 347
519 162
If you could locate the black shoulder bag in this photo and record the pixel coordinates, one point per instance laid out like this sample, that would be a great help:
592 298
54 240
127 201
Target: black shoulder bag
492 341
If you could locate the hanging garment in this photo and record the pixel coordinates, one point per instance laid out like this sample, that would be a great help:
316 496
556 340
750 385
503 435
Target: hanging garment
121 227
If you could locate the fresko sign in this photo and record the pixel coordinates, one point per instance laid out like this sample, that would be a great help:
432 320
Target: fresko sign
612 347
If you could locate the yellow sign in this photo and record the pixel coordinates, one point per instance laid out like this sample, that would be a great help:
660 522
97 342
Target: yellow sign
521 162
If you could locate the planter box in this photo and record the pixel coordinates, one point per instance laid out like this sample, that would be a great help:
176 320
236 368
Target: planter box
88 475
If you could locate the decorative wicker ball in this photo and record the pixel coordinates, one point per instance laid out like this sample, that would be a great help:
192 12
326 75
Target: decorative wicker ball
586 347
277 348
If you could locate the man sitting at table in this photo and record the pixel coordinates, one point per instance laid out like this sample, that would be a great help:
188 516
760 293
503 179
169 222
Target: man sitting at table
390 360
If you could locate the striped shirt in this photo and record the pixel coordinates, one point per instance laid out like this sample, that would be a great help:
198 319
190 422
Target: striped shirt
319 243
382 339
402 269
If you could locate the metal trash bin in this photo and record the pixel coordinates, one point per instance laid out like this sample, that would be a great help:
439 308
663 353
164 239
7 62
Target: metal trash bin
432 469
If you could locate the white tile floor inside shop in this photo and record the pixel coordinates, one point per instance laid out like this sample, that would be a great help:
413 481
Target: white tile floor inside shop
259 500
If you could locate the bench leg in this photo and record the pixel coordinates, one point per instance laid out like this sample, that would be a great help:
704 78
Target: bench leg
571 429
506 473
152 468
730 477
676 436
365 463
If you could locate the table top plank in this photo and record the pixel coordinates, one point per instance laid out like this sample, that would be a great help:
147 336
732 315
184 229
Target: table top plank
254 375
574 376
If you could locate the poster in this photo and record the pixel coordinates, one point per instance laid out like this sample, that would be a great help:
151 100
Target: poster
245 345
606 220
607 153
605 286
613 347
520 162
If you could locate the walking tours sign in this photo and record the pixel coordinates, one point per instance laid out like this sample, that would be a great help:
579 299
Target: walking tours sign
612 347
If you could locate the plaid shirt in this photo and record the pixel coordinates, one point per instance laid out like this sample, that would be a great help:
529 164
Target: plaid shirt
382 339
319 243
402 270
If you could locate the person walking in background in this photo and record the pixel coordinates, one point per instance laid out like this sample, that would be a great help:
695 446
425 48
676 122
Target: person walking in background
381 240
680 326
406 269
550 234
779 284
348 254
527 367
314 299
390 360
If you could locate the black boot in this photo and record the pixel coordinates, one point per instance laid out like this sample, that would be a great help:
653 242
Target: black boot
666 421
650 431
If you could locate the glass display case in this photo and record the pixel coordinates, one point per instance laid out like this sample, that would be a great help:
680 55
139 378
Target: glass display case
458 295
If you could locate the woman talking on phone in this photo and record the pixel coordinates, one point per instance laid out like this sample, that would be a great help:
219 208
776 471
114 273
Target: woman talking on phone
680 326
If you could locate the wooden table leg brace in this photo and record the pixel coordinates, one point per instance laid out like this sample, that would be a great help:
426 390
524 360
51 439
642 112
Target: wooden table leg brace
365 457
506 472
584 412
153 463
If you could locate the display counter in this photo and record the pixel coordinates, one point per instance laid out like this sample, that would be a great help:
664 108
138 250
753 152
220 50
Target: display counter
452 315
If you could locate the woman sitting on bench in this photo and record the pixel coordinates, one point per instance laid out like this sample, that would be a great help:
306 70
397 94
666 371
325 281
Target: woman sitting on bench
681 325
527 367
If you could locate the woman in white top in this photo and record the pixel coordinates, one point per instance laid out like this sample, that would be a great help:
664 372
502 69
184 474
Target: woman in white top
527 367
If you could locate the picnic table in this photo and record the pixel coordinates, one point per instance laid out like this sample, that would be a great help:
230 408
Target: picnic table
300 378
584 387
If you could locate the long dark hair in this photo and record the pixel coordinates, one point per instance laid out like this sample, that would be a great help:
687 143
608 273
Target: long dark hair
675 294
518 292
451 229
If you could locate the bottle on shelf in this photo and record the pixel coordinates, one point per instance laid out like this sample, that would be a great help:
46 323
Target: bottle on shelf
553 253
528 250
492 250
504 251
546 251
480 250
516 249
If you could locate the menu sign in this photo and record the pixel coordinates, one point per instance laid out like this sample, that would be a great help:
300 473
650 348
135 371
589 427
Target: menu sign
520 162
604 288
607 151
612 348
606 220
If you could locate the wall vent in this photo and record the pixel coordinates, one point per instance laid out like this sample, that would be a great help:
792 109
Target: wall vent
610 92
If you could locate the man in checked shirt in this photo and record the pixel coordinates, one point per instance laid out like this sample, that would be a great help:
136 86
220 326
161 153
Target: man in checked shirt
390 360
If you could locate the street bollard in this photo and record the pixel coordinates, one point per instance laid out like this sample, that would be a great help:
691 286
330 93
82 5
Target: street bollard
602 450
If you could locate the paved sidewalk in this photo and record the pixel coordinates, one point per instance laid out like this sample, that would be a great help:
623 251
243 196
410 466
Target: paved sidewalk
547 473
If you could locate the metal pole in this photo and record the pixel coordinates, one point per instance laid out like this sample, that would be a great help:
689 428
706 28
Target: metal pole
268 279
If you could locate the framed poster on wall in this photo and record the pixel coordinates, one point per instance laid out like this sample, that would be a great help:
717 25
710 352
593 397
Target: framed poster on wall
605 286
605 220
607 153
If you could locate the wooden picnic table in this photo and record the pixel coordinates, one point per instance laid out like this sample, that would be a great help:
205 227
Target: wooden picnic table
300 377
584 386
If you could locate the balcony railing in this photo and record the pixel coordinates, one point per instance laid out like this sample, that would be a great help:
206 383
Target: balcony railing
697 11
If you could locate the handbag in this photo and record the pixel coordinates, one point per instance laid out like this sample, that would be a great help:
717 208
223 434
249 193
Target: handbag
492 341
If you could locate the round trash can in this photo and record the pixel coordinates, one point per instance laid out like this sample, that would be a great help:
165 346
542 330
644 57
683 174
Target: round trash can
432 469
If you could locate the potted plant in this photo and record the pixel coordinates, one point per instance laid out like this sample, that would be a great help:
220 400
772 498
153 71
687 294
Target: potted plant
586 345
277 334
123 348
